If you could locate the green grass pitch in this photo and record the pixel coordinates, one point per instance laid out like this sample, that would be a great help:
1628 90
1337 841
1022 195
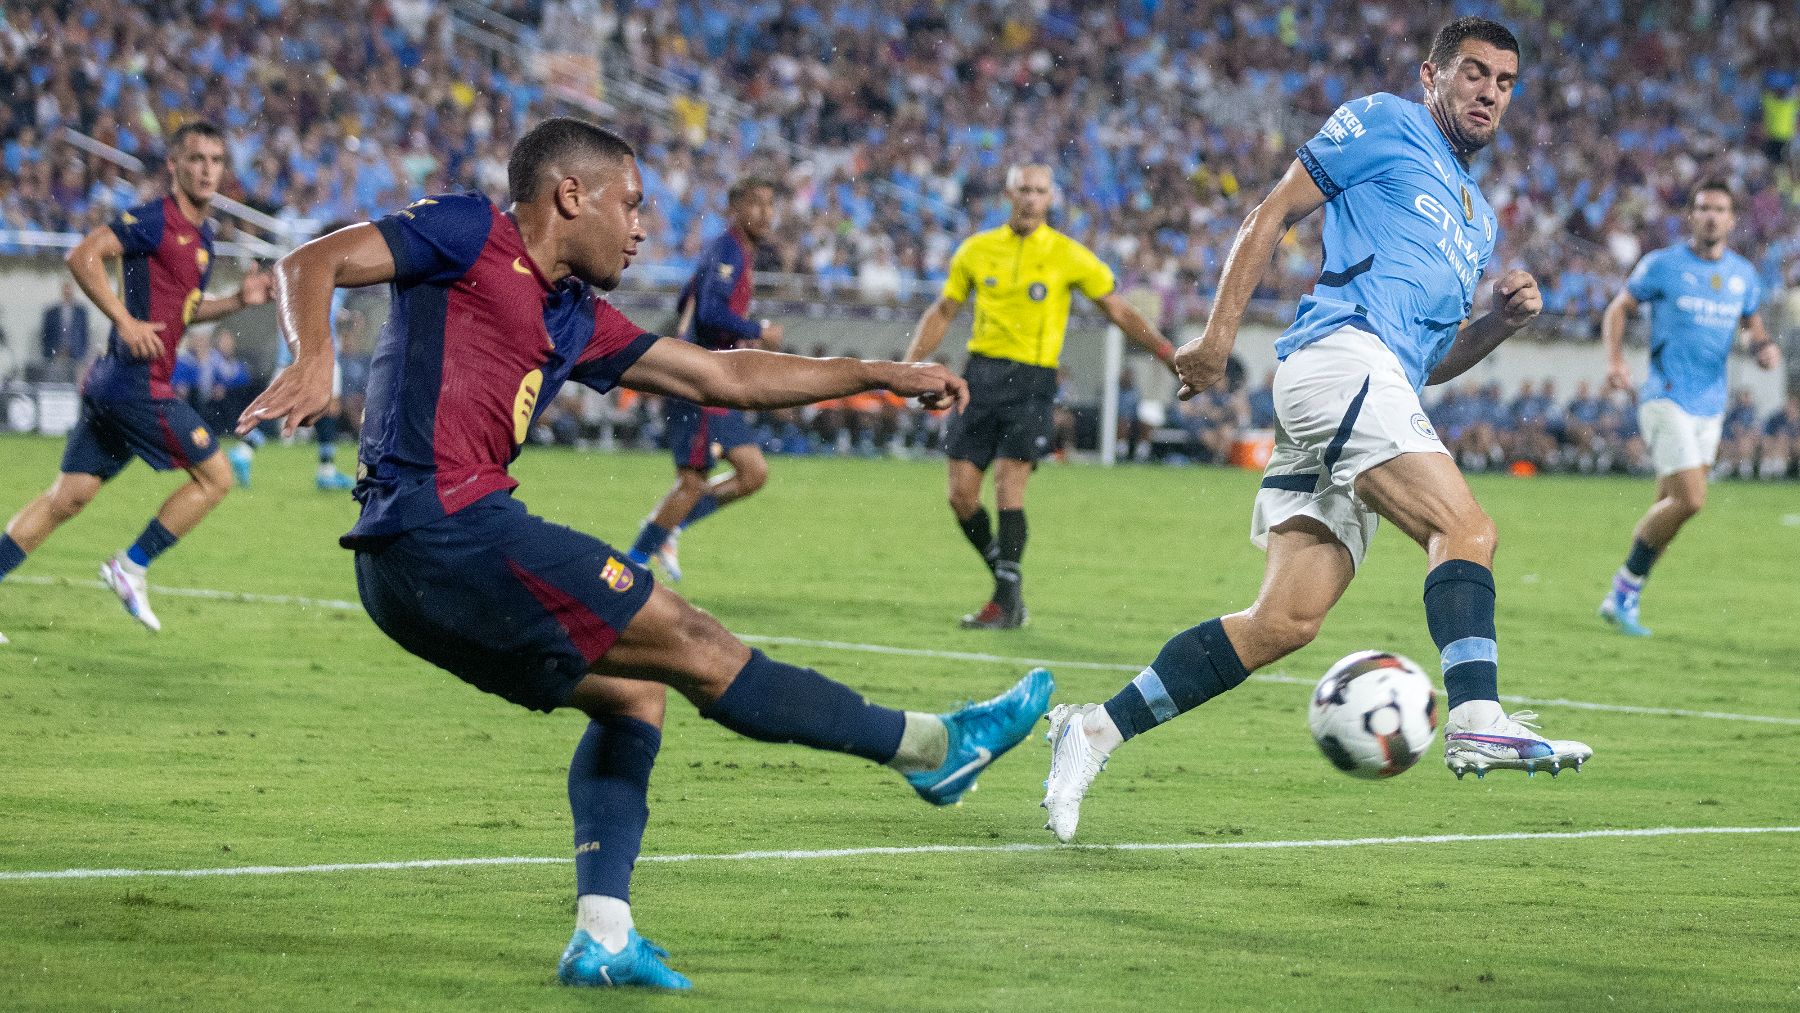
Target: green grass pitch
256 733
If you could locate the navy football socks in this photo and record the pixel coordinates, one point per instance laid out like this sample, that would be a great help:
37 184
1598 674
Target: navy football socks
155 541
702 509
609 785
1459 609
10 555
1196 665
326 430
650 538
772 702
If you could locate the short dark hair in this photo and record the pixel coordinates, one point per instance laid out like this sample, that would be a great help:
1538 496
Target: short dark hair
1714 185
745 187
552 141
195 128
1450 38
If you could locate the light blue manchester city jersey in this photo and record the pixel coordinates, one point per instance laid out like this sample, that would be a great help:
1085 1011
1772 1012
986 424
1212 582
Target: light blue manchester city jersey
1696 306
1407 233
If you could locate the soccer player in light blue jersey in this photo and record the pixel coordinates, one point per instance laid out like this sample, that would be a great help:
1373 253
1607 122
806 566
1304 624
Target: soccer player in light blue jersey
1699 294
1407 236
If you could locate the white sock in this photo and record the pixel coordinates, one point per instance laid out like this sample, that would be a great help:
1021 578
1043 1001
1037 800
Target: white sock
1475 714
1102 733
1628 579
607 919
924 743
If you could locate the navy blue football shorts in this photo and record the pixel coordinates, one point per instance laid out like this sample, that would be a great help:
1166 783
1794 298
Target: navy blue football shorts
699 436
164 433
508 602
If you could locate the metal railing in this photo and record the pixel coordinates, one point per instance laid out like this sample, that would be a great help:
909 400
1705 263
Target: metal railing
284 235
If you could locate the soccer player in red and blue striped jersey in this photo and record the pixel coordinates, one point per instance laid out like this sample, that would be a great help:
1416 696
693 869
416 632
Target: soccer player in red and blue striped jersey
128 407
492 312
715 313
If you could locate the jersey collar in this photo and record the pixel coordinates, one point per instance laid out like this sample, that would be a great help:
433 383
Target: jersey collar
536 272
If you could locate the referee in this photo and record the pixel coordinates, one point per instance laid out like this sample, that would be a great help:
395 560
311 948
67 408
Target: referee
1021 275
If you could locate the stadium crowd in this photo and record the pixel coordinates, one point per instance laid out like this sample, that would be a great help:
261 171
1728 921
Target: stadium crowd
1162 119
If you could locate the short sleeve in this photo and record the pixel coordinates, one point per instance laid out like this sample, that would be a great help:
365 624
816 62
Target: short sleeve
1354 145
1753 294
614 347
437 239
1645 282
1090 273
140 230
957 285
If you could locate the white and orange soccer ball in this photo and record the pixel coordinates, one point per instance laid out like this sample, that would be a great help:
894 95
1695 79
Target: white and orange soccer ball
1374 714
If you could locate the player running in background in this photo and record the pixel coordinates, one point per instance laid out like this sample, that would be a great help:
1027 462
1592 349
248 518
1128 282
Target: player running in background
1022 276
455 569
1699 294
715 308
128 407
1407 234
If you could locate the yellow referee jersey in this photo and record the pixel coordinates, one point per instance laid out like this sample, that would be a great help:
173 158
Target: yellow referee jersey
1022 286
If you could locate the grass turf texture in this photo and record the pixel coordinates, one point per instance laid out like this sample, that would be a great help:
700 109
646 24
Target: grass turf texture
256 734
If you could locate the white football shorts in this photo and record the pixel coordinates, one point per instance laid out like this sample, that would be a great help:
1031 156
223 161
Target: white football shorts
1342 406
1678 441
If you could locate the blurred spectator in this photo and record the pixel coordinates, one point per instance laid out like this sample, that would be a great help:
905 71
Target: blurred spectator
64 336
1781 441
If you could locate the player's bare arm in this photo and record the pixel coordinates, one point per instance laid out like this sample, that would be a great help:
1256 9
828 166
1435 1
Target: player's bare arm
303 281
1612 336
253 291
1142 332
932 327
1201 362
1764 348
753 379
87 264
1517 302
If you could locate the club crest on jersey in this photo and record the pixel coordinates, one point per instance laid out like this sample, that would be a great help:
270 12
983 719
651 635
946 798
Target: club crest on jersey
200 437
617 575
990 282
1735 285
725 271
1037 291
1422 426
1468 207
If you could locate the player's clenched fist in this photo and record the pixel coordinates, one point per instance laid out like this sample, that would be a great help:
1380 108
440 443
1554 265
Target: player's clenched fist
1198 368
934 385
1518 297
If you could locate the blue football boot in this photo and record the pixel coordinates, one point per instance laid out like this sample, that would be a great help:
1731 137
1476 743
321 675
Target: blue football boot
1620 608
981 733
334 481
240 456
640 964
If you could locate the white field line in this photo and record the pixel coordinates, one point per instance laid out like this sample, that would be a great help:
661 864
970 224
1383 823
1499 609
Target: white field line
924 849
921 652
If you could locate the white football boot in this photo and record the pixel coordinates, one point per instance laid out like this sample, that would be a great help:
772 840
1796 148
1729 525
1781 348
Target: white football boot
1507 743
669 555
1074 763
127 581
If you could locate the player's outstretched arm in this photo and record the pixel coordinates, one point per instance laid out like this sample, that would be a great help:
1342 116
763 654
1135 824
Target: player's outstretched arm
753 379
350 258
1517 303
932 326
254 291
87 265
1201 362
1612 336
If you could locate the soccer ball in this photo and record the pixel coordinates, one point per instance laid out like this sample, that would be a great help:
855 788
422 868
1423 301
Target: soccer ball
1373 714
